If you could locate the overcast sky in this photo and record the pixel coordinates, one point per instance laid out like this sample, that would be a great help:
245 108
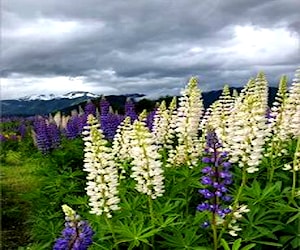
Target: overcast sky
144 46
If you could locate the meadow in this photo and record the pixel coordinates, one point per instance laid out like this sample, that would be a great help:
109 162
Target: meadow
177 177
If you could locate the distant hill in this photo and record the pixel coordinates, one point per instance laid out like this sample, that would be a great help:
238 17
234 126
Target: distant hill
45 104
42 104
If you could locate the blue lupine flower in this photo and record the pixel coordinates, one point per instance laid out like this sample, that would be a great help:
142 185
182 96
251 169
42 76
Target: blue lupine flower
110 123
77 234
216 178
104 106
75 126
150 119
47 136
130 110
90 108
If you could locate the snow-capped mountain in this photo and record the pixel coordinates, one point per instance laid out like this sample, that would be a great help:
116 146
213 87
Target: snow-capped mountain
70 95
45 104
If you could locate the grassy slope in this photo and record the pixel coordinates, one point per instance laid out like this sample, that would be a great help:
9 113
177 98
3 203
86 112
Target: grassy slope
16 180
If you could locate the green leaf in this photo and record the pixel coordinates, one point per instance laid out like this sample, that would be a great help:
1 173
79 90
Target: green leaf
249 246
236 245
225 244
269 243
296 216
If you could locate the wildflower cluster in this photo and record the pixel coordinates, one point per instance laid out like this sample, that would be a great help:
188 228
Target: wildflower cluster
77 234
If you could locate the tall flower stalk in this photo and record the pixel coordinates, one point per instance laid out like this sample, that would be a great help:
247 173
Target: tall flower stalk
216 179
146 165
102 184
185 126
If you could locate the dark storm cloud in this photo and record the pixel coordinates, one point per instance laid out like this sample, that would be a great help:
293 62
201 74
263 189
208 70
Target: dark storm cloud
147 44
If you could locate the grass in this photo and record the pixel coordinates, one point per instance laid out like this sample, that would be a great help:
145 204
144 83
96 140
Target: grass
17 178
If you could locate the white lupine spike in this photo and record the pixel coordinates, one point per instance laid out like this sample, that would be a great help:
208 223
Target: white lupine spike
220 111
290 124
121 144
246 133
185 124
162 124
146 165
103 180
274 141
121 141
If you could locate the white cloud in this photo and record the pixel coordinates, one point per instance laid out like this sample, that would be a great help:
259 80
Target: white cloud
258 44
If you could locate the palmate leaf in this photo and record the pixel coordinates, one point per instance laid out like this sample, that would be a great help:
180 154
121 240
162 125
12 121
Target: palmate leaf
182 238
134 232
236 245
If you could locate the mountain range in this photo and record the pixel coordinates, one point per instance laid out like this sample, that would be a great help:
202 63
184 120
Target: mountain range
45 104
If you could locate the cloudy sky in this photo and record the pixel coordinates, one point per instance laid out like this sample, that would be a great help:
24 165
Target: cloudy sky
141 46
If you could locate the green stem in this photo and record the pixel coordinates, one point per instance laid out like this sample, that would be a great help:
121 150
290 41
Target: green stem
243 184
294 168
111 230
150 201
272 163
214 229
235 203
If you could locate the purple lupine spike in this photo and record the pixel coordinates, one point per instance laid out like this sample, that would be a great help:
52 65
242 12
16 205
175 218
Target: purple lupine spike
77 235
150 119
42 140
90 108
22 130
47 136
104 106
54 135
75 126
130 110
216 178
109 124
2 138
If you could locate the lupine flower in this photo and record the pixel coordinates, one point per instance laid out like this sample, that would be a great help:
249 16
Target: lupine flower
90 108
104 106
22 130
102 184
236 215
216 178
53 135
41 137
75 126
185 126
110 123
275 138
290 122
150 119
161 124
122 143
2 138
146 165
216 116
130 110
77 234
247 125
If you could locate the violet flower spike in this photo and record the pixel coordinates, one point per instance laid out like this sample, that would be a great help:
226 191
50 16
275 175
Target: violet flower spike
216 178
